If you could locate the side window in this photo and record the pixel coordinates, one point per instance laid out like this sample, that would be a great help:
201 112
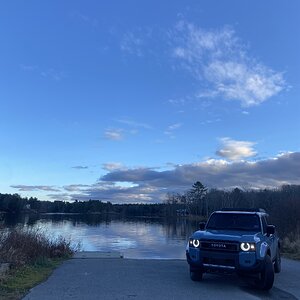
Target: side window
264 224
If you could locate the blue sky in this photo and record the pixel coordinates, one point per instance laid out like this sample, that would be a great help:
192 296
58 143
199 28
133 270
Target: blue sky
124 101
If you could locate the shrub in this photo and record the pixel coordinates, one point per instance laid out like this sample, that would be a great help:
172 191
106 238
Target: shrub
20 246
291 245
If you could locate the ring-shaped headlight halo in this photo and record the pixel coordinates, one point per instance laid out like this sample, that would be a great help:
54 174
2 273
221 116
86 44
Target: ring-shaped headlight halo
196 243
245 246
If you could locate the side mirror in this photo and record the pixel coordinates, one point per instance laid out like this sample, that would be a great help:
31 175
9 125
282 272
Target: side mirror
270 229
202 225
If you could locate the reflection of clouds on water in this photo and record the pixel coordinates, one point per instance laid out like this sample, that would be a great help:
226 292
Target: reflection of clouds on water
135 239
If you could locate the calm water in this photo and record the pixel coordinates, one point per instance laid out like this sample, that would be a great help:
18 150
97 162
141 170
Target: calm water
133 237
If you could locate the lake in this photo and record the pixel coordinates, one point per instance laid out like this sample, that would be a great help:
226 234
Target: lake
134 237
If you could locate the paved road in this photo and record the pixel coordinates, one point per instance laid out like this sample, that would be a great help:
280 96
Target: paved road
116 278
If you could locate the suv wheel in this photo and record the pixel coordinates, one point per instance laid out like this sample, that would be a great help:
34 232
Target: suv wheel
266 276
277 263
196 276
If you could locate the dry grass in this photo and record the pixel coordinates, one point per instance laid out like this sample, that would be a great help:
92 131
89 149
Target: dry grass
32 256
20 246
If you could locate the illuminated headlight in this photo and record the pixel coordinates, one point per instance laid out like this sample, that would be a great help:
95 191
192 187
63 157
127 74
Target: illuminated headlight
194 243
248 247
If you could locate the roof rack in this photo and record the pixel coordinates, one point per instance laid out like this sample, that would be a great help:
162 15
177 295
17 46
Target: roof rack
244 209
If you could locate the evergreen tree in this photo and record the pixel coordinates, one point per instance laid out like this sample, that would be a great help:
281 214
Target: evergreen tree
198 199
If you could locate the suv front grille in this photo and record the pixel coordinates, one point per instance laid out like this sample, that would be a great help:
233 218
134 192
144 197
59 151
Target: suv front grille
212 245
219 261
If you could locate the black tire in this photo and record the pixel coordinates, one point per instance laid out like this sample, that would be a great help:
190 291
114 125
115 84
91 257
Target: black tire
277 263
266 276
196 276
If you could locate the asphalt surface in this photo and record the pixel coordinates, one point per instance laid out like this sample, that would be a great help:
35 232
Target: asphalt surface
117 278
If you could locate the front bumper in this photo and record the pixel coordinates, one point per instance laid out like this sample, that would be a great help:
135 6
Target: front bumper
223 262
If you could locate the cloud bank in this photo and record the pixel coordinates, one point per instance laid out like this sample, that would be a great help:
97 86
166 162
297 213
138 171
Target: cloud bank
148 185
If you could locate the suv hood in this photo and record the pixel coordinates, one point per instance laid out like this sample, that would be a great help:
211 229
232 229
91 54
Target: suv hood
227 235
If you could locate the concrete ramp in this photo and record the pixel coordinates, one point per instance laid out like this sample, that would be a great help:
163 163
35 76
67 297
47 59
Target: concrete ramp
138 279
97 254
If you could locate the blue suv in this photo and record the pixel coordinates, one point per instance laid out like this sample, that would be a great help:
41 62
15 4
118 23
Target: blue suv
236 240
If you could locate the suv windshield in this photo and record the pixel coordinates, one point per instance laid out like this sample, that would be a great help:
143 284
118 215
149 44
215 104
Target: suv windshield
234 221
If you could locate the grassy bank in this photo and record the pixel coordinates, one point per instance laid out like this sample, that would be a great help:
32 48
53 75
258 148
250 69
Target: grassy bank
17 282
32 257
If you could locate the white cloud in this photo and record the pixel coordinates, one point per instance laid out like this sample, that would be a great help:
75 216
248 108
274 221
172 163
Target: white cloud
31 188
251 85
132 44
114 134
119 194
178 102
112 166
80 167
236 150
28 67
175 126
171 128
134 124
53 74
75 187
132 128
60 197
93 22
244 112
180 52
210 121
49 73
137 42
219 59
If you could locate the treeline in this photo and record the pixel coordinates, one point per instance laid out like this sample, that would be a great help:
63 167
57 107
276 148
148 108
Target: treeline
283 205
16 204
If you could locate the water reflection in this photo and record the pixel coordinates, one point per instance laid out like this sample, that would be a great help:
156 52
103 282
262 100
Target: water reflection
134 237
